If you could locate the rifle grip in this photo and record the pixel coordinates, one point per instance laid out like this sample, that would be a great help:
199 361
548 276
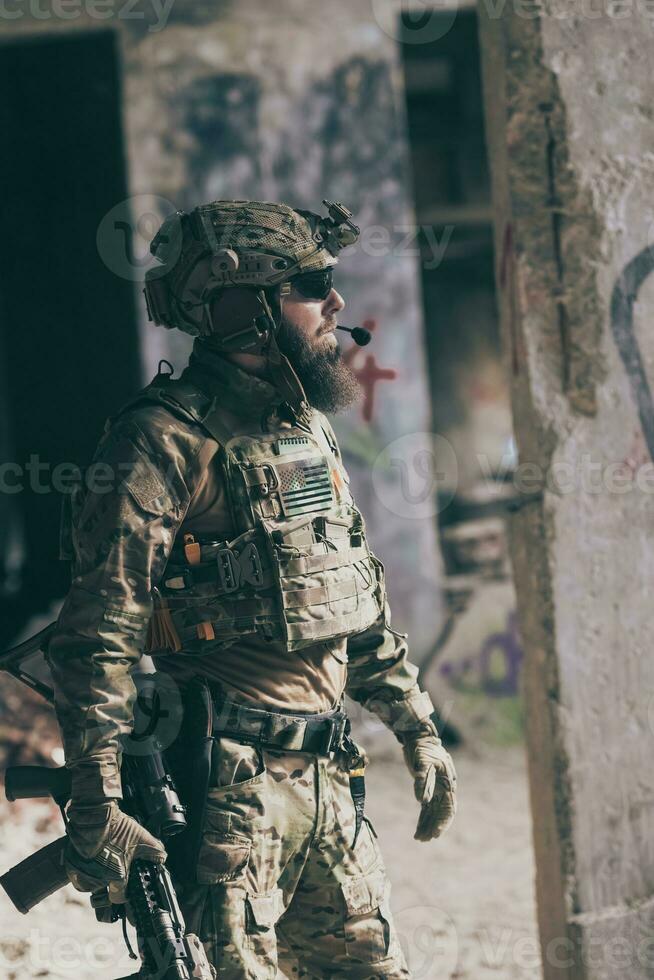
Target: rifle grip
39 875
30 782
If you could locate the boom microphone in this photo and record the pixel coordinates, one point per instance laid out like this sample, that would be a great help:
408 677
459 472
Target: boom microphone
359 335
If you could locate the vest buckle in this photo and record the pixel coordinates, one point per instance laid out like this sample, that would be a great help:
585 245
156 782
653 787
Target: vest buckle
229 572
250 565
235 570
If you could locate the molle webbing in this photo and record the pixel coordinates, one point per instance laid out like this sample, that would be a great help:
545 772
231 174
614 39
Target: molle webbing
299 570
338 607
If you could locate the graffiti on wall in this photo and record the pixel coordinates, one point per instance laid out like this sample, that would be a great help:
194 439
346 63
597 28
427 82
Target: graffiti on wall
494 668
624 298
623 302
369 373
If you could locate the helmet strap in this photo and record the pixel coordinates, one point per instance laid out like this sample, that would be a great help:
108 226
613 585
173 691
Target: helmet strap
247 324
280 369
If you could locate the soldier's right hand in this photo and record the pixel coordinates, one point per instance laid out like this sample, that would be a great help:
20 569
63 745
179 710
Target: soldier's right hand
102 843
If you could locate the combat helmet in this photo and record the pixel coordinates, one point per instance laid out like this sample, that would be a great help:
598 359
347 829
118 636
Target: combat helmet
226 266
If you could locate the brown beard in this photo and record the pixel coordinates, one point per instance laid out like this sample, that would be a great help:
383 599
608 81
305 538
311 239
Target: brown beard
329 383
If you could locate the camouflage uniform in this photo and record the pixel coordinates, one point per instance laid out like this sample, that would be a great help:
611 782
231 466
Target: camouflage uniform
280 840
276 867
248 575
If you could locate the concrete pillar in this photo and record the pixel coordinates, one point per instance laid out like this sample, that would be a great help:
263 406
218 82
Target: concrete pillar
570 124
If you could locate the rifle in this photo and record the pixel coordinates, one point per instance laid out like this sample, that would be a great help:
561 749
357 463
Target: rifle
167 951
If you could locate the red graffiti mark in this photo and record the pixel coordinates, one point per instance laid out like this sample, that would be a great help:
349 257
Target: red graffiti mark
507 254
507 282
369 374
637 456
483 391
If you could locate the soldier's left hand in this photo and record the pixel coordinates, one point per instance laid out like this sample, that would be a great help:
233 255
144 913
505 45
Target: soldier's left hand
434 776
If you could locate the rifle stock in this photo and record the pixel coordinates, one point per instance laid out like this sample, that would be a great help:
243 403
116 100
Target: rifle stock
34 782
168 951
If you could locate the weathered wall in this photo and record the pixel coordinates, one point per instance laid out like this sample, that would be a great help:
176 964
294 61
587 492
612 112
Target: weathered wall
571 138
294 101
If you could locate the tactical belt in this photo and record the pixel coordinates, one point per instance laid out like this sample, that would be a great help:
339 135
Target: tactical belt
320 734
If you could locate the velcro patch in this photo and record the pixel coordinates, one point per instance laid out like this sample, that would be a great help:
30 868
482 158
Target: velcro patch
145 486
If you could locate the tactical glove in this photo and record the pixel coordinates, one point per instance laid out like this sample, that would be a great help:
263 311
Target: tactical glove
430 764
434 780
102 843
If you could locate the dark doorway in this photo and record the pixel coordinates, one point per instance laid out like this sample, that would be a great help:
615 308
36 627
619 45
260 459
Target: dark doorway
68 326
470 401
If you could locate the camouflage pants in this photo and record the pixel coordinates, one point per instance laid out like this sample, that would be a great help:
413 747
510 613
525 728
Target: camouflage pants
278 882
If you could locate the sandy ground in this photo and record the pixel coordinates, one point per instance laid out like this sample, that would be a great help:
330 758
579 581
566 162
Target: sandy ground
464 905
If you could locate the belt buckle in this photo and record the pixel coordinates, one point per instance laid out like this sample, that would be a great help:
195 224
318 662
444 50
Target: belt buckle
250 566
336 729
229 572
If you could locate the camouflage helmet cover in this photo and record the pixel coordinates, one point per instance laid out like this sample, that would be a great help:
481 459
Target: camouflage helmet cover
249 243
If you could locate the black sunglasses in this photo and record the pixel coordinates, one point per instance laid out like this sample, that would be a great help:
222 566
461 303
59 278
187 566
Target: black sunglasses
314 285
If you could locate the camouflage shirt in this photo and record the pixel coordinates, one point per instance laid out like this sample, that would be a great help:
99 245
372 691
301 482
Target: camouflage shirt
154 477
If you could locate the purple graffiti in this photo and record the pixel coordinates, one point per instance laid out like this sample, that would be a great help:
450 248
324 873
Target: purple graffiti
507 644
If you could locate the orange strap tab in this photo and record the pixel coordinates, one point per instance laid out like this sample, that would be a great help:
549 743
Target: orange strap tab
205 631
192 550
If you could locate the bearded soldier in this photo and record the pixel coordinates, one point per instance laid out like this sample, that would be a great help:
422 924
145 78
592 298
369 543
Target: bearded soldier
229 548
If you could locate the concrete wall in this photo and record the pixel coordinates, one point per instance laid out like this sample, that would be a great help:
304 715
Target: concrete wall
294 101
571 138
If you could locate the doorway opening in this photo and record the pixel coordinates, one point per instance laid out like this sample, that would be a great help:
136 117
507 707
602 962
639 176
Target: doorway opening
68 328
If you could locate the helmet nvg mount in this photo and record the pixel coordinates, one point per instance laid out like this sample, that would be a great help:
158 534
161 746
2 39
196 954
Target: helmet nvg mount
226 266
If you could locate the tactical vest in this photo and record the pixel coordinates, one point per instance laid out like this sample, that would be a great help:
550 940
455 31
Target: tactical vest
298 570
